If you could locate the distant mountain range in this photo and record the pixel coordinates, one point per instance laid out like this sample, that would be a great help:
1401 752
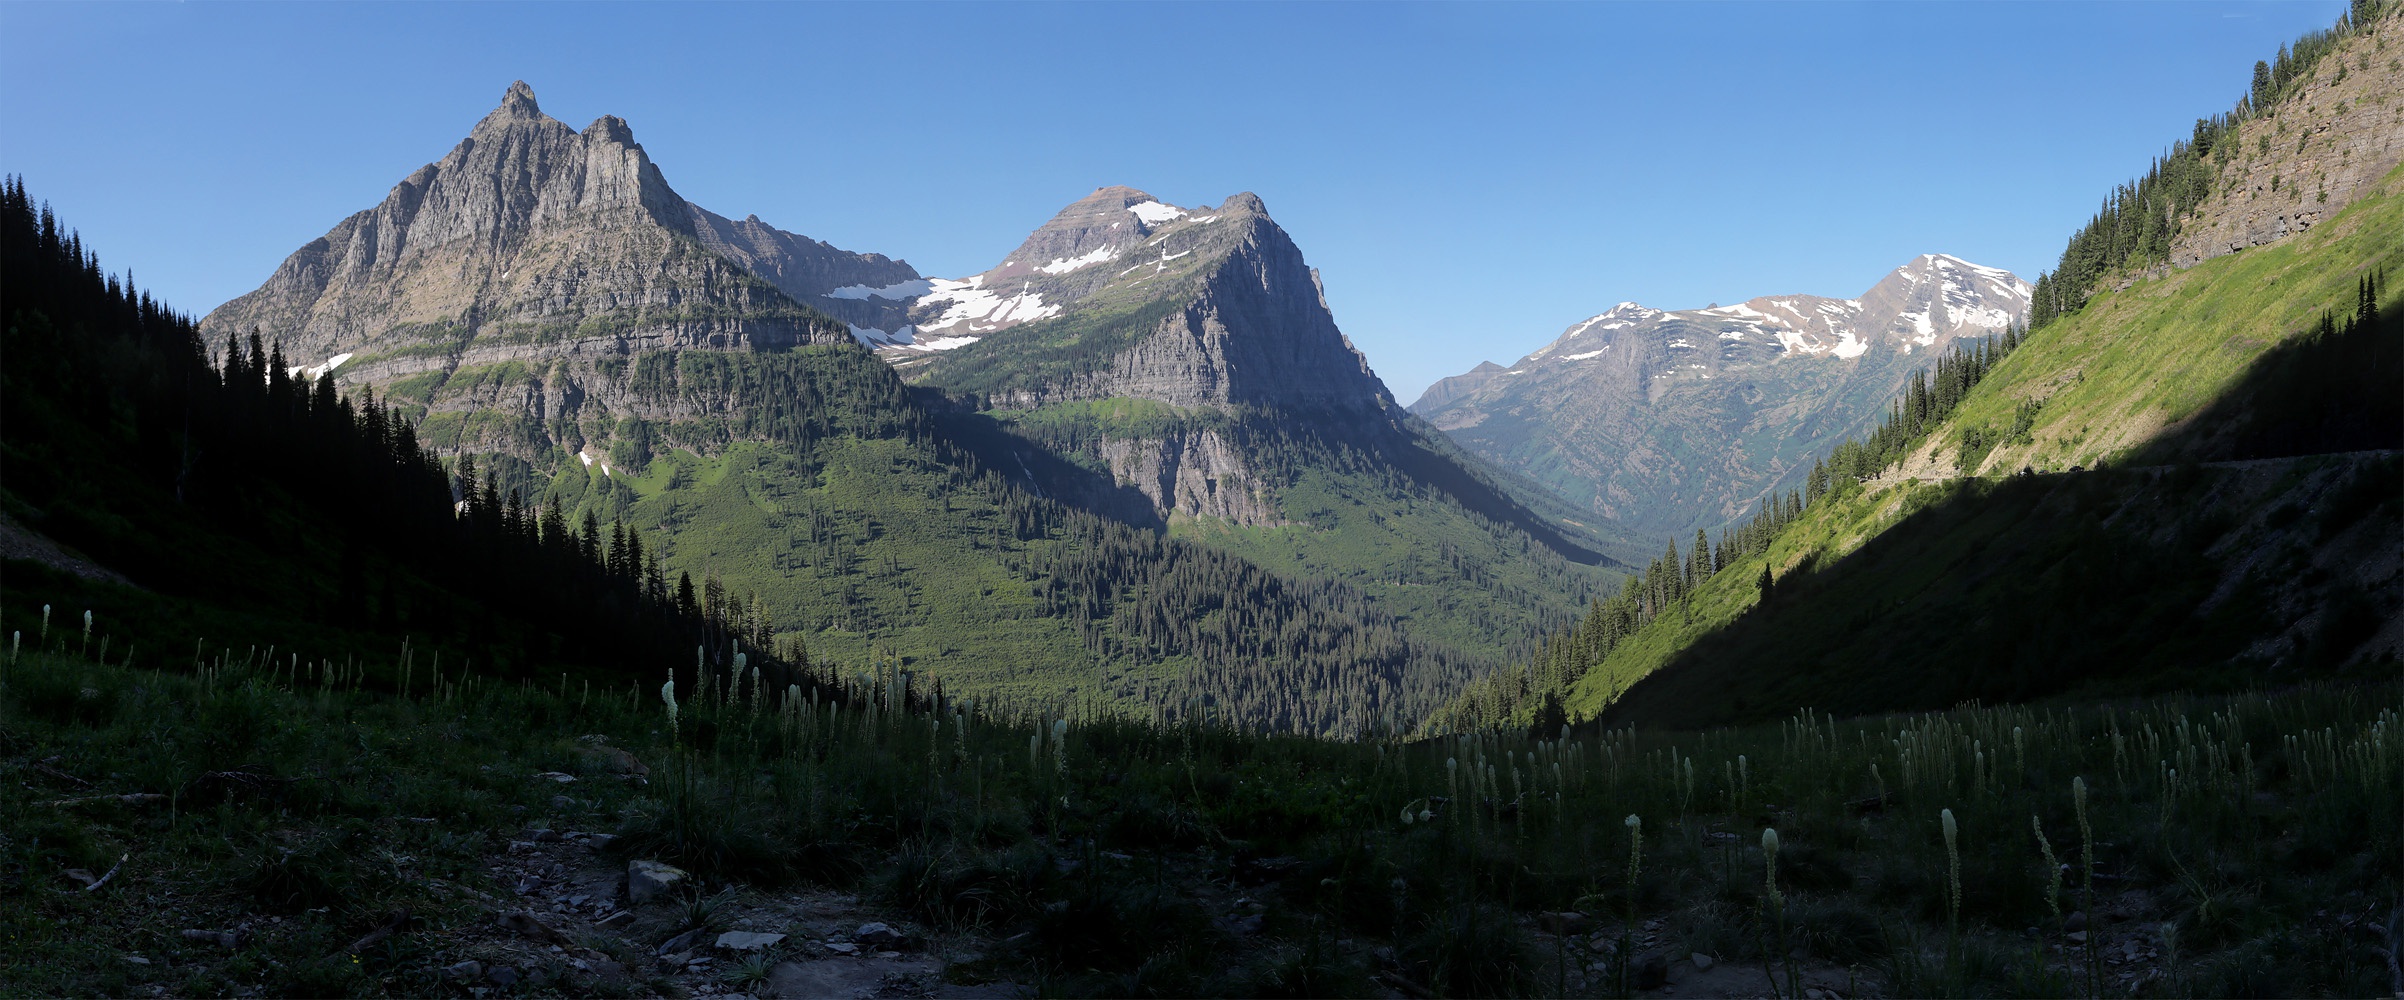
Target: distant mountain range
1669 420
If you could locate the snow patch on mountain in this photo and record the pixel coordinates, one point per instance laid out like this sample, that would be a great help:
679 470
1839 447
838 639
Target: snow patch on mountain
977 309
314 372
1154 213
1096 256
898 290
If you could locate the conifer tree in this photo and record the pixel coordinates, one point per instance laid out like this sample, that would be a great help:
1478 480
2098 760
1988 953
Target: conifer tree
588 541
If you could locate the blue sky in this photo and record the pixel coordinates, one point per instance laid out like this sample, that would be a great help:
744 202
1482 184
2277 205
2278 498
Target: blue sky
1470 179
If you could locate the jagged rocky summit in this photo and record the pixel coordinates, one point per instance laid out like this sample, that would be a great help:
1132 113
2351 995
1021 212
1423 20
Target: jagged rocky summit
1122 295
1669 420
536 245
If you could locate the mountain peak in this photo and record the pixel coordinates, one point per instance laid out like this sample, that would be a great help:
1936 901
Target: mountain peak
518 102
1245 202
610 127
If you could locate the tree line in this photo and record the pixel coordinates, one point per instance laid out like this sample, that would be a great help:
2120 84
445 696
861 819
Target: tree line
2136 225
128 440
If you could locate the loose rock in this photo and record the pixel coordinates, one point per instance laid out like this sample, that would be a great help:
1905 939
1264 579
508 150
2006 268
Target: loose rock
222 939
1566 922
1650 972
466 972
526 923
649 880
748 941
1703 961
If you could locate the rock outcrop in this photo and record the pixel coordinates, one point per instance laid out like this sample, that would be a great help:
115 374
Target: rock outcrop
2310 156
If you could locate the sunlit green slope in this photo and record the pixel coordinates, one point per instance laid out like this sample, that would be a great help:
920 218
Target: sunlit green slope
1922 587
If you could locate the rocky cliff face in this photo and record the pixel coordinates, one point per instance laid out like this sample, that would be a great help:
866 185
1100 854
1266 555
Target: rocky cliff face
1668 420
815 272
510 285
2311 156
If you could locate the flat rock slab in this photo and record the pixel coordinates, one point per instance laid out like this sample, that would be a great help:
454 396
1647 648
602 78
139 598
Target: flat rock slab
846 978
748 941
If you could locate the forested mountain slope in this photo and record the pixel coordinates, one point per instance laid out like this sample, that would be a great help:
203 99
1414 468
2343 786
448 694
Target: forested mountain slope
236 505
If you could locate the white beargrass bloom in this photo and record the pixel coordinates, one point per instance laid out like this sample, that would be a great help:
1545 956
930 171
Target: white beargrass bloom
1769 861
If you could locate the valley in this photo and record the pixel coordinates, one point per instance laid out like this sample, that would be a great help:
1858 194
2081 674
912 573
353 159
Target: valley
543 585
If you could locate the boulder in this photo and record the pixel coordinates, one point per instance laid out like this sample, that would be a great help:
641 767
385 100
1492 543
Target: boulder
649 880
1651 971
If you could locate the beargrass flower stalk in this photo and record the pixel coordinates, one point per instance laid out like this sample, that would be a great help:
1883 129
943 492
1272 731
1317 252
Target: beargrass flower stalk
1452 778
667 693
1627 935
1769 861
1953 878
2086 892
1881 780
1744 782
45 636
1035 750
1774 905
2053 870
1060 747
87 635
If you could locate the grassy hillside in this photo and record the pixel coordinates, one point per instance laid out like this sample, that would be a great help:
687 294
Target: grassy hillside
2136 365
2223 543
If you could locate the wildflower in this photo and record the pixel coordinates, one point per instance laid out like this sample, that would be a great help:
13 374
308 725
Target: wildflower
667 693
1769 861
1953 873
2053 869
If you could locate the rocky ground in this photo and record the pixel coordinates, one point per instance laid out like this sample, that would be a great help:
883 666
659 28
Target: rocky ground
584 919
